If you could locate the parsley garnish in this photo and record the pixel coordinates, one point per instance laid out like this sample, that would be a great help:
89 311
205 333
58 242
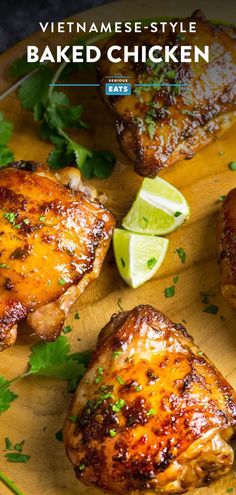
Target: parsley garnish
77 316
181 254
169 291
82 467
176 279
61 281
151 263
3 265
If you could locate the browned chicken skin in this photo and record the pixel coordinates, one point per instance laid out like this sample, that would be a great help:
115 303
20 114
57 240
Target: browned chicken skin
227 248
52 244
158 126
152 412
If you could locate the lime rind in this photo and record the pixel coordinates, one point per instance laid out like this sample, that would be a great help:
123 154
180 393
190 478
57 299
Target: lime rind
158 209
138 257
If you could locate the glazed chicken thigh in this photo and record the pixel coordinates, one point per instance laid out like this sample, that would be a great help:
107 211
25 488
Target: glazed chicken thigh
152 413
227 248
159 125
52 244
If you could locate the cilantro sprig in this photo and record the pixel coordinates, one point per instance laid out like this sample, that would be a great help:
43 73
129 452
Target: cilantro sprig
55 114
52 359
6 155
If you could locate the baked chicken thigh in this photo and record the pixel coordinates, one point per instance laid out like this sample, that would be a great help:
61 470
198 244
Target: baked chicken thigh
159 125
53 241
152 412
227 248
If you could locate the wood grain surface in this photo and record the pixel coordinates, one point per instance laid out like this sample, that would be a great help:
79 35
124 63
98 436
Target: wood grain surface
40 409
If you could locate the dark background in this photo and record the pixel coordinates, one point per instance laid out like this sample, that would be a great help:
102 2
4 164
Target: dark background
20 18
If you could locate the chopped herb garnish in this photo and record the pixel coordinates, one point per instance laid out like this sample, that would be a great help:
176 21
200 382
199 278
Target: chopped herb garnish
221 153
171 74
138 388
116 354
3 265
212 308
77 316
200 353
62 281
17 457
119 404
206 296
19 446
82 467
151 412
59 436
229 490
10 216
26 221
119 304
176 279
122 262
42 218
177 213
112 433
232 166
181 254
73 419
222 197
6 155
151 126
8 444
120 380
169 291
67 329
151 263
100 371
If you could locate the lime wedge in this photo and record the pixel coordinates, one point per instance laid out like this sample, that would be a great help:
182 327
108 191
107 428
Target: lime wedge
137 256
158 209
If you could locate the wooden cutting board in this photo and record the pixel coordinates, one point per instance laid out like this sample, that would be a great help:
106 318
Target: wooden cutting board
40 409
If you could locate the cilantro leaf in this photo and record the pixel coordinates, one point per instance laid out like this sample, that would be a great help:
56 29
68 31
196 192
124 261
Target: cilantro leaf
6 395
21 67
35 89
6 156
52 359
101 164
5 130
